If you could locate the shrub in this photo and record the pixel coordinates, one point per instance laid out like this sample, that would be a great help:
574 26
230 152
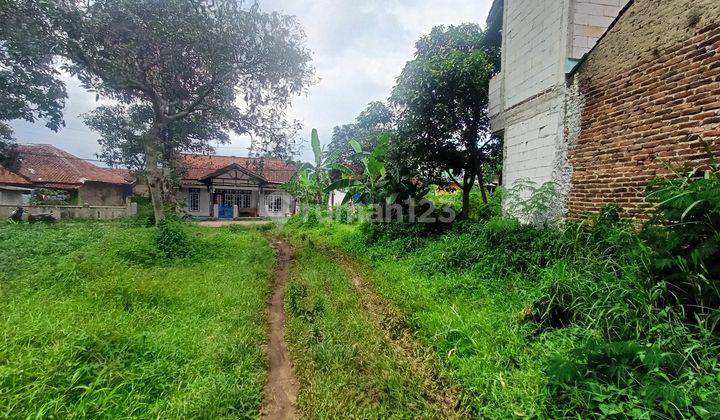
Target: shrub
685 236
172 239
533 203
631 379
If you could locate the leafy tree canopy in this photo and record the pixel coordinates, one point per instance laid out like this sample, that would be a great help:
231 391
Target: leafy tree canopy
193 67
441 97
30 88
375 120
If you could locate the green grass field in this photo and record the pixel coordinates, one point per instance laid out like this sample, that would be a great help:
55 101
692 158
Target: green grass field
345 365
474 333
524 321
96 323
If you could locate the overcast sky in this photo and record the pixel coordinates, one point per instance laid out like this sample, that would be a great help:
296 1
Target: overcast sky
359 48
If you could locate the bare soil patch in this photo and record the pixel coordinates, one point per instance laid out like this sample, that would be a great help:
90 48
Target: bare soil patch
221 223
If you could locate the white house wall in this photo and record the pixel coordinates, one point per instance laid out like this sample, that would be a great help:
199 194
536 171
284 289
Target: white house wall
258 197
287 201
183 197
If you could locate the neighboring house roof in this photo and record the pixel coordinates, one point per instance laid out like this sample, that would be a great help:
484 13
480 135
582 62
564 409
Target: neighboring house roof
46 165
9 177
274 171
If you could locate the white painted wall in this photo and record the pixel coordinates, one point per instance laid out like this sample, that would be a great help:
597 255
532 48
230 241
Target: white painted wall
183 197
287 201
257 197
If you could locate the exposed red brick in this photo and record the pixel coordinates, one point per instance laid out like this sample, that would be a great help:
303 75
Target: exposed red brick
635 122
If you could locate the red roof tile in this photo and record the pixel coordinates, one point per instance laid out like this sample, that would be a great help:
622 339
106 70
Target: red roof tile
44 164
273 170
8 177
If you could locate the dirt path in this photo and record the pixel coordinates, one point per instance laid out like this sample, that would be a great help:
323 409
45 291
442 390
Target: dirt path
222 223
281 387
388 319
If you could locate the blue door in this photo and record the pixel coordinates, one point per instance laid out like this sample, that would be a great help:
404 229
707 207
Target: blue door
225 212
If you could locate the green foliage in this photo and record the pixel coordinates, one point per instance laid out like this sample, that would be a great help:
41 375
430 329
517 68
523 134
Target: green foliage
311 183
630 379
685 236
347 366
89 333
546 319
50 196
173 241
480 211
183 74
369 127
533 203
30 85
443 95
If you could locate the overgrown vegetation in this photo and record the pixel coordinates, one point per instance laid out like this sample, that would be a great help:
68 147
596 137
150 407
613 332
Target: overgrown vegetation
592 319
345 366
119 320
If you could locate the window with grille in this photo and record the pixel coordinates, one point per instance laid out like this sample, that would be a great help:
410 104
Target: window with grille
194 199
240 198
273 203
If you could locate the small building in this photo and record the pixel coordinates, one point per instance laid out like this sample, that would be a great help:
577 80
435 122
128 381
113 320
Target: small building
45 169
229 187
541 43
15 190
600 96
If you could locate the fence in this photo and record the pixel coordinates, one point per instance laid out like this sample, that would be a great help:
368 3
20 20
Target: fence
75 212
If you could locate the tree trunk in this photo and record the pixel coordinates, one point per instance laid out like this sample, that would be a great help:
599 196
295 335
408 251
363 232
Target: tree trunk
155 174
154 177
468 181
481 180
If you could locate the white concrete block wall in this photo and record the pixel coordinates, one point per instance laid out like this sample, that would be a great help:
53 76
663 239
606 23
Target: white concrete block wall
495 95
531 143
589 20
532 47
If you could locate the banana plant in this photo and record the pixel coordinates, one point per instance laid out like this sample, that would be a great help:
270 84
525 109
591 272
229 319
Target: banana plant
313 179
372 181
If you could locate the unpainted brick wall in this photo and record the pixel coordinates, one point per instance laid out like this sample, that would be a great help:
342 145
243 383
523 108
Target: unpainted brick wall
650 98
101 194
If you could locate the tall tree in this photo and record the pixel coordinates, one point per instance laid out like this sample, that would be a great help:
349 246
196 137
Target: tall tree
372 123
220 64
30 87
442 97
123 130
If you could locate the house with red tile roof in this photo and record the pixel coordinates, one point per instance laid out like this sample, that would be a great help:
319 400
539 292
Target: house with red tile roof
42 166
227 187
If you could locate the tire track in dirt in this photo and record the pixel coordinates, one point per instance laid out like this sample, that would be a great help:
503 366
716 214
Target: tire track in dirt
390 321
281 388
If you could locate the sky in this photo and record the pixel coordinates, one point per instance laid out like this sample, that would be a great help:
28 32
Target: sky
358 49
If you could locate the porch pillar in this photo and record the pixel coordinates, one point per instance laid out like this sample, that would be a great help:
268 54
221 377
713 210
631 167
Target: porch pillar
257 207
212 206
